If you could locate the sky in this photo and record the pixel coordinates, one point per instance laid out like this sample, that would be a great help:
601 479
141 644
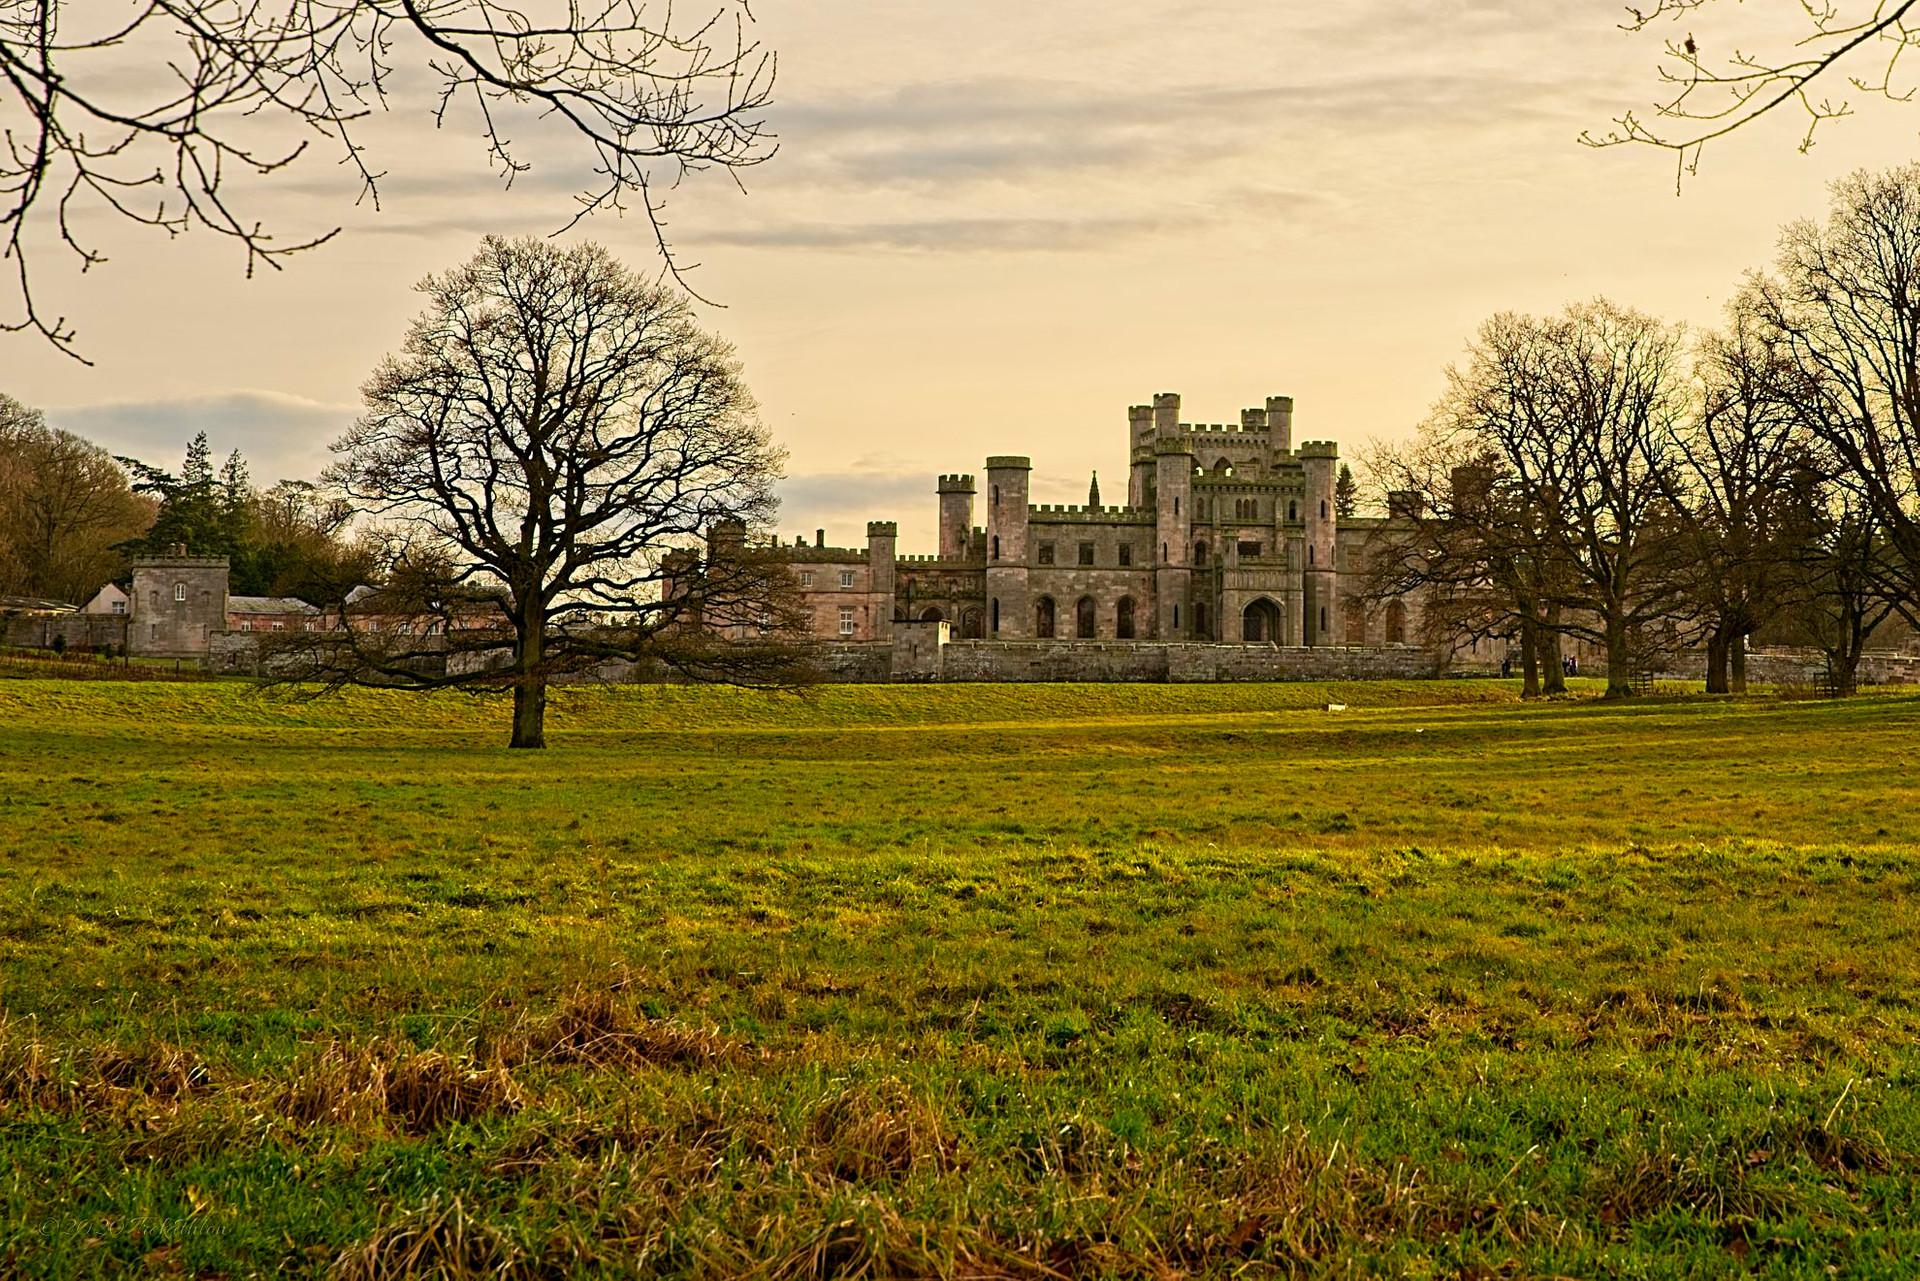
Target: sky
989 228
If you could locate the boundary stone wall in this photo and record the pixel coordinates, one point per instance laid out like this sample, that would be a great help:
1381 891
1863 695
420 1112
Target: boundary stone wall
83 631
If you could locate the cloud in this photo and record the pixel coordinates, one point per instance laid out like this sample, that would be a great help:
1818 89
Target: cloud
281 436
945 234
842 502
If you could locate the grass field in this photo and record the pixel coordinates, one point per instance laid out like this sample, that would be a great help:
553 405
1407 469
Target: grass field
976 981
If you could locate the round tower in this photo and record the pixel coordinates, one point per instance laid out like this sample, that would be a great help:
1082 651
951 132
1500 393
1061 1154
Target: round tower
1139 454
1320 601
1173 517
1007 515
882 542
956 514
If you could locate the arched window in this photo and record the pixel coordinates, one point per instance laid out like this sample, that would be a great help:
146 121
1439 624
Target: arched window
996 547
1309 553
1396 623
996 495
1123 618
180 591
1200 620
1163 553
1293 511
1323 509
1043 618
1083 618
931 616
970 628
1200 553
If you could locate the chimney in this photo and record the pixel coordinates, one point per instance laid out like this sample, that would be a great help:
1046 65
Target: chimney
819 538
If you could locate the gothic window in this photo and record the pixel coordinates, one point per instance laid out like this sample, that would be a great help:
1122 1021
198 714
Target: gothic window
970 628
1084 618
931 615
1396 624
1199 553
1309 553
1323 509
1086 553
1126 553
1046 553
1123 619
1293 511
996 547
1200 620
1176 505
1043 618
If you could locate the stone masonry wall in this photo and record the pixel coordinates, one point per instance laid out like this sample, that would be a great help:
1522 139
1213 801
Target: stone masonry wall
83 631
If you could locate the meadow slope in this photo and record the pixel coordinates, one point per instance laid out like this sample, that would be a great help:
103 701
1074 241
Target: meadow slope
989 981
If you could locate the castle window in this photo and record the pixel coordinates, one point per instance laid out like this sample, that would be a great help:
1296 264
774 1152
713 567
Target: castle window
1323 509
1199 553
1246 509
846 578
996 495
1123 618
996 614
1176 504
1249 549
1083 617
1043 618
180 591
1086 553
1126 553
846 620
806 578
1200 621
1176 618
1293 511
1163 553
1396 624
996 547
1046 553
119 607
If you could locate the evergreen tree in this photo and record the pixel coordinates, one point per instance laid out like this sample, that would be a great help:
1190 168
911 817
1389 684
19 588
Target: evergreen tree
1346 492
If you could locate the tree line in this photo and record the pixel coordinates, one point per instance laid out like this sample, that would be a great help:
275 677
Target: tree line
73 516
1599 474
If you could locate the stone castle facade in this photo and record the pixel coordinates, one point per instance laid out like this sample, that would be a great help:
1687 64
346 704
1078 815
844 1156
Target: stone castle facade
1230 534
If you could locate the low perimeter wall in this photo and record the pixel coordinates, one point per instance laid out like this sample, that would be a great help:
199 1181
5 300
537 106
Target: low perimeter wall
82 631
924 657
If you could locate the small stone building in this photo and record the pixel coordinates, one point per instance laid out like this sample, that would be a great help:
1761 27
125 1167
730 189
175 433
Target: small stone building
178 602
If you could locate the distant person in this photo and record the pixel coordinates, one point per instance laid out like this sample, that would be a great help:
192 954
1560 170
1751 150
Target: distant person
1506 666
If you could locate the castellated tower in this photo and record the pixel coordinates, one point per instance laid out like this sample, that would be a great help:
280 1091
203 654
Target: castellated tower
1008 614
956 514
1140 453
1173 515
1279 423
883 538
1319 606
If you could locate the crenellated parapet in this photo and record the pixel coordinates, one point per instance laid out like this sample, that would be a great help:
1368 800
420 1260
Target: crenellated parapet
1062 513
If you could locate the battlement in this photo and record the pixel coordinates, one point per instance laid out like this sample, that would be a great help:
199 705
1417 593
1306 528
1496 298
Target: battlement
956 561
1009 462
956 484
1056 512
1237 429
883 529
1172 445
1318 449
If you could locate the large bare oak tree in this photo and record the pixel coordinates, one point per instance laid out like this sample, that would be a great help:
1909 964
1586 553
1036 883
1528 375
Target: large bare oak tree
554 435
236 87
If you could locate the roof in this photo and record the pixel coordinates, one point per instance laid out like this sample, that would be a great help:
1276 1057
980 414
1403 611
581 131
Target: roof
269 605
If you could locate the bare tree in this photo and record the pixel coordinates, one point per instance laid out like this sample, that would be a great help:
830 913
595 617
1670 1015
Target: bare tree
1840 590
65 505
1577 414
1830 48
1842 313
1730 497
554 430
1464 541
248 85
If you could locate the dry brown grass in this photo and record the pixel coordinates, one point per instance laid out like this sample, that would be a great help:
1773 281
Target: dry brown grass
356 1085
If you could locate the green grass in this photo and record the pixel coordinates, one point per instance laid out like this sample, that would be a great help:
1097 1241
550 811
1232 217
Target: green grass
975 980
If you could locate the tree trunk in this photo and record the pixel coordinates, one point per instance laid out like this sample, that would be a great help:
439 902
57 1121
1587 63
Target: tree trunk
1737 652
529 685
1717 662
1619 661
1553 672
1529 659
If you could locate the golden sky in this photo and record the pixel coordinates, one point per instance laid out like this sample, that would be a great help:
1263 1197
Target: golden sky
991 227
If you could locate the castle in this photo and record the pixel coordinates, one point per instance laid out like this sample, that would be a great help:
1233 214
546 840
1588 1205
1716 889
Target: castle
1229 534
